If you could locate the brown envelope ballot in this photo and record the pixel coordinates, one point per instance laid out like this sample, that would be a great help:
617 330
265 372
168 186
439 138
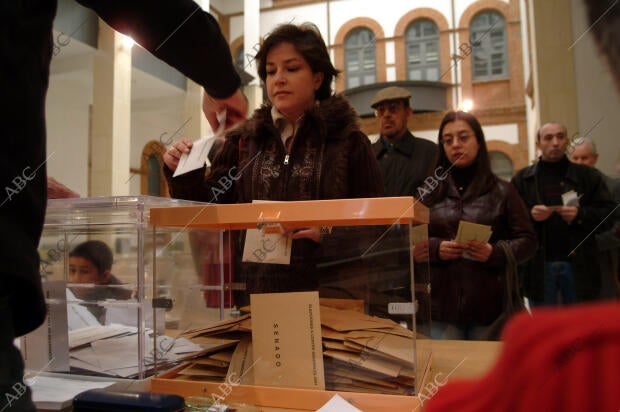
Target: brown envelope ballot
366 361
346 320
224 355
394 346
211 362
332 334
356 305
339 346
360 375
199 370
396 330
286 340
472 231
225 325
210 345
241 367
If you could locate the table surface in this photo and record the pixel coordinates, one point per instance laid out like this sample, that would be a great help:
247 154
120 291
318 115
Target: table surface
463 359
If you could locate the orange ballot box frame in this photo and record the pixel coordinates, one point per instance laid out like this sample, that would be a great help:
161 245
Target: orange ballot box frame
398 212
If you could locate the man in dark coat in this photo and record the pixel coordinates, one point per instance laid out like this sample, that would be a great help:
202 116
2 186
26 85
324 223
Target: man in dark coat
405 160
568 204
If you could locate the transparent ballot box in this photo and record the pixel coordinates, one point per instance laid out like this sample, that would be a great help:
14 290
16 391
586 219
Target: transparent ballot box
330 295
104 316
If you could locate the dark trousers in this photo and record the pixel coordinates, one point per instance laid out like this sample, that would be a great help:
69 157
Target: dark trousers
559 277
14 394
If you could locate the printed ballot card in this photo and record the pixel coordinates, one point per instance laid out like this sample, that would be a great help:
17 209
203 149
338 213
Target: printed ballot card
286 340
472 231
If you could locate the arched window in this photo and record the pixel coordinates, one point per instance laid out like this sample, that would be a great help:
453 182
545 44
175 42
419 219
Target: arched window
153 177
489 46
501 165
360 58
153 182
239 58
422 50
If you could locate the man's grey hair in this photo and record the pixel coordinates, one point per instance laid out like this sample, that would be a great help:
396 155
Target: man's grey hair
588 142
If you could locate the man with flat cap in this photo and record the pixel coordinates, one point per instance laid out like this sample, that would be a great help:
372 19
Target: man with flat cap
405 160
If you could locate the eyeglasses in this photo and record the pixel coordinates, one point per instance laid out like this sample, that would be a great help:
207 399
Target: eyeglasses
392 107
448 140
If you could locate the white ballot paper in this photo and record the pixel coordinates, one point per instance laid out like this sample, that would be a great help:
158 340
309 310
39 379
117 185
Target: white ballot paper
262 247
570 198
57 393
338 404
197 156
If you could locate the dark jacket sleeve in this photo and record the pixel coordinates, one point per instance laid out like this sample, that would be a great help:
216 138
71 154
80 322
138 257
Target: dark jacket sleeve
596 205
178 32
364 175
521 236
218 185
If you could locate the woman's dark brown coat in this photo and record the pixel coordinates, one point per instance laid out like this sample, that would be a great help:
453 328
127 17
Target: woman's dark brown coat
463 290
329 158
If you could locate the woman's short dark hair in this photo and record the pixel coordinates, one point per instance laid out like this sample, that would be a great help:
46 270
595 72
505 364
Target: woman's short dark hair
308 42
483 175
95 251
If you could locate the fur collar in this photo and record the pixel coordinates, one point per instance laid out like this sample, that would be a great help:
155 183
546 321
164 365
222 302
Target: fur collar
333 117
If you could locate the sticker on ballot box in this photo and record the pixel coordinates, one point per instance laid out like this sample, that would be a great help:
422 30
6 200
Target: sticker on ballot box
401 308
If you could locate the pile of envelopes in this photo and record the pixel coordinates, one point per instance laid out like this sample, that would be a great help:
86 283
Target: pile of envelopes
361 353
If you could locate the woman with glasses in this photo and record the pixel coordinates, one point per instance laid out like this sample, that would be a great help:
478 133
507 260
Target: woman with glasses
465 275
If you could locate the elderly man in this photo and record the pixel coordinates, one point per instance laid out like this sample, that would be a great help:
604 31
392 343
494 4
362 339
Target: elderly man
583 151
568 203
405 161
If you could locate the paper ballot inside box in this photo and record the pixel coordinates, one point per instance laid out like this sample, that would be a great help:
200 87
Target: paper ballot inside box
286 340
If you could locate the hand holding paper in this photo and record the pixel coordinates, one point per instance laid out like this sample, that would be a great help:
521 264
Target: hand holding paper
197 156
476 238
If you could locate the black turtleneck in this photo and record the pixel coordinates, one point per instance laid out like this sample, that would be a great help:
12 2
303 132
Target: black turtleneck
551 186
463 176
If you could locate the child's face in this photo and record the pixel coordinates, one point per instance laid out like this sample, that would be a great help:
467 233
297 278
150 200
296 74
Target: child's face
82 270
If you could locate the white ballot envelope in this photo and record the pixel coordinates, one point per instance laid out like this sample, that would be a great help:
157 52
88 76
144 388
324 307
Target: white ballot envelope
570 198
267 246
197 156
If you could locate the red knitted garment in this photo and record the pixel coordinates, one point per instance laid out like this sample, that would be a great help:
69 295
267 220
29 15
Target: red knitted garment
556 360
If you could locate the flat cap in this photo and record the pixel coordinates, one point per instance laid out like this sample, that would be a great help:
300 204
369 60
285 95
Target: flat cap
390 93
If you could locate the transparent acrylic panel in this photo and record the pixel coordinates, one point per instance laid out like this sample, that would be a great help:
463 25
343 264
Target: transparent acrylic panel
96 268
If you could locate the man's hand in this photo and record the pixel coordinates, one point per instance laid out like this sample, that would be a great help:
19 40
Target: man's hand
174 152
568 213
56 190
541 213
236 107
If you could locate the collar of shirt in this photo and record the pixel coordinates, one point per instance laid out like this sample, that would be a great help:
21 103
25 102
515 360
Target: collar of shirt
404 144
285 126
